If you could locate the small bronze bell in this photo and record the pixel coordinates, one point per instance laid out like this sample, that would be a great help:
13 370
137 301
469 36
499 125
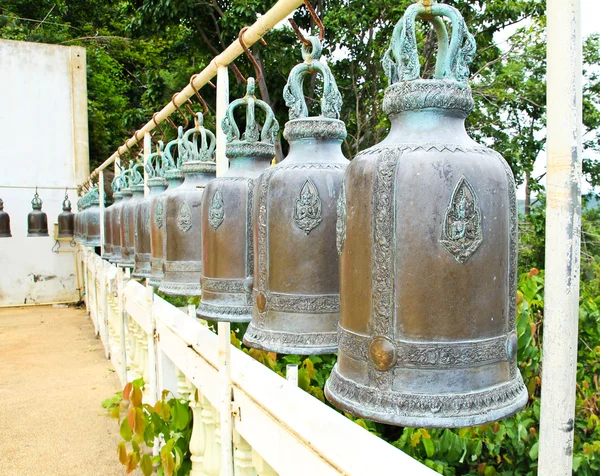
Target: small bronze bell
173 177
156 185
66 219
131 197
296 278
4 222
92 219
183 210
37 221
428 238
227 249
116 217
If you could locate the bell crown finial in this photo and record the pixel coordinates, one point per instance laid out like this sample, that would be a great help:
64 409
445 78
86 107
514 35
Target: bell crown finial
252 133
198 143
331 101
401 60
154 164
36 202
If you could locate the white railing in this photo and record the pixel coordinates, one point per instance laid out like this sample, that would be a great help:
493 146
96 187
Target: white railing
247 420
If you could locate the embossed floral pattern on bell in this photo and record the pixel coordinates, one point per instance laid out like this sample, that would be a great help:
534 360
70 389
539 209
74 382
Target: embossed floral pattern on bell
182 233
296 290
427 232
227 240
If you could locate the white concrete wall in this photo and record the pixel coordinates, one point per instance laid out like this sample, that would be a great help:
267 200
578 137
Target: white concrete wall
43 119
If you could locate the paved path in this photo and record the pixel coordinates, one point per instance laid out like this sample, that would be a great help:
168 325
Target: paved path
53 378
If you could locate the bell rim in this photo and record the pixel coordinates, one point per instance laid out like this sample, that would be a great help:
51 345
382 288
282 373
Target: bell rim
174 288
217 313
251 340
37 234
386 416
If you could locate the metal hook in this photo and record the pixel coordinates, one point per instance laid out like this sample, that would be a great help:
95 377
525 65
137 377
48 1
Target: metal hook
200 98
158 126
257 68
315 18
179 111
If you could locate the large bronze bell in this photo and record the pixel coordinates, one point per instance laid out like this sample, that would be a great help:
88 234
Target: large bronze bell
183 212
66 219
131 197
296 277
77 235
227 248
107 252
428 238
116 216
92 220
37 221
4 222
173 176
156 185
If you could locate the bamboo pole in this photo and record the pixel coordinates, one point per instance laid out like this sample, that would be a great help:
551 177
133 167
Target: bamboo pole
281 10
563 228
222 104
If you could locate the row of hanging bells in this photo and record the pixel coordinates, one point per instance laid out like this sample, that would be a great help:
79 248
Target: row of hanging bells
403 260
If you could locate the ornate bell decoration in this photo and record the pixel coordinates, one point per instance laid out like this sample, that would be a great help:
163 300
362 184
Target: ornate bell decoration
4 222
173 177
227 248
37 221
428 238
183 212
296 290
122 183
92 219
131 197
156 185
66 219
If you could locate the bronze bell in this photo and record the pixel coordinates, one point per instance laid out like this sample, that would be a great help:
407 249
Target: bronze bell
116 216
66 219
37 221
428 238
4 222
92 219
296 277
227 248
173 177
183 212
77 234
131 197
107 253
85 204
156 185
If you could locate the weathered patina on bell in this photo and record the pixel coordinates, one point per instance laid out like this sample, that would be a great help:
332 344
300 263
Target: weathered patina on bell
4 222
428 238
227 245
107 252
131 197
183 213
170 169
92 219
37 221
296 278
156 185
66 219
116 216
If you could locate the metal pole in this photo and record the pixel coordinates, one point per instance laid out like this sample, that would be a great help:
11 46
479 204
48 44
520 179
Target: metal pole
222 104
563 227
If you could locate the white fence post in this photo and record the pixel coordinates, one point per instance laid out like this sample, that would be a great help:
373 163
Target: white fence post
563 229
225 399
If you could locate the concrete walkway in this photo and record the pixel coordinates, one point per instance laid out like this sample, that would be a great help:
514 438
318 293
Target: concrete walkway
53 379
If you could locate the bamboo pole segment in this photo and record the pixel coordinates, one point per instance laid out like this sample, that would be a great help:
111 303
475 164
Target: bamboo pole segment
563 228
281 10
222 104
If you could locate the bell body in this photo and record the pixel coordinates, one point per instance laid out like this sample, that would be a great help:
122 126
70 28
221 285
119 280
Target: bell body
296 278
143 267
227 244
182 239
92 234
120 225
428 239
66 224
37 223
4 223
174 178
108 211
78 216
128 228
